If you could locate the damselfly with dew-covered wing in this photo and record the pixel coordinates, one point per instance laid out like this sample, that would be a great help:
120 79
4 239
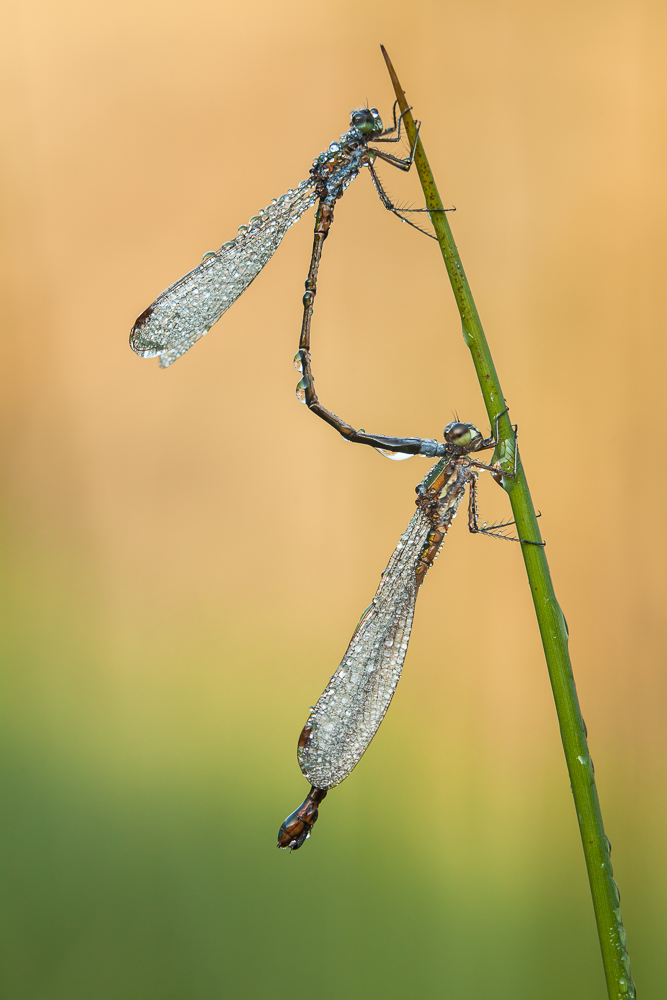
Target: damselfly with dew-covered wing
349 712
187 310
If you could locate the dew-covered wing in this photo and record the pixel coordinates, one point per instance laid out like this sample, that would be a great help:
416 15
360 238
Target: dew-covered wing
354 703
187 310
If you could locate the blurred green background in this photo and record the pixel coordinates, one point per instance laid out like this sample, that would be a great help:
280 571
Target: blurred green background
185 553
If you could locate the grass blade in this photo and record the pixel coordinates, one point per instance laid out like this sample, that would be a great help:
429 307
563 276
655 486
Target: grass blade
550 618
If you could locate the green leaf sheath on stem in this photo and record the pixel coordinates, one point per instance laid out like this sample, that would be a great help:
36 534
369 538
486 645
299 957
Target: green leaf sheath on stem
549 615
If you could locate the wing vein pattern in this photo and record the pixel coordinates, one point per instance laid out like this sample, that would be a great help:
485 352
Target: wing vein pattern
186 310
355 700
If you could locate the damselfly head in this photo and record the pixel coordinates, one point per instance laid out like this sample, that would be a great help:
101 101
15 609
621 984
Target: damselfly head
367 121
461 435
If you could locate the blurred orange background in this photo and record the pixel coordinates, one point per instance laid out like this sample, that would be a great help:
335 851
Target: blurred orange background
186 552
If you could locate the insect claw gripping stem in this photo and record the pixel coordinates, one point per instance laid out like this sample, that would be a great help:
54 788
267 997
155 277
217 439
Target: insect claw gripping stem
389 205
397 161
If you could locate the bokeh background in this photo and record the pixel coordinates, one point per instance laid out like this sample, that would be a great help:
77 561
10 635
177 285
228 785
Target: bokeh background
185 553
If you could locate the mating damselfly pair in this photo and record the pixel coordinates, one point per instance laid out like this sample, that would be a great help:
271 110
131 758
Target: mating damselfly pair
349 712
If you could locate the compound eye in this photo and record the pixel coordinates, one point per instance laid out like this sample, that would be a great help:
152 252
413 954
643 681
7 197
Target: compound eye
458 434
377 121
363 120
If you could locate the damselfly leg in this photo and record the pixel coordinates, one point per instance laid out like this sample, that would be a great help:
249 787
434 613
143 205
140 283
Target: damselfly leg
403 164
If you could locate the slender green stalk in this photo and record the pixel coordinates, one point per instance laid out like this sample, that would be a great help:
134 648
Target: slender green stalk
549 615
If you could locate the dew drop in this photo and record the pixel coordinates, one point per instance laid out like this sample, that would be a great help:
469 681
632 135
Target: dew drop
301 390
299 360
395 456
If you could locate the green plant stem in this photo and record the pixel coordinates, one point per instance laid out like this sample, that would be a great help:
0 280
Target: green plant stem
553 629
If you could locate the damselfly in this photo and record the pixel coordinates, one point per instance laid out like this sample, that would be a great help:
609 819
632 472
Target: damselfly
187 310
349 712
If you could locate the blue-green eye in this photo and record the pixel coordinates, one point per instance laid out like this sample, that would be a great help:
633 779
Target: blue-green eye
363 121
458 434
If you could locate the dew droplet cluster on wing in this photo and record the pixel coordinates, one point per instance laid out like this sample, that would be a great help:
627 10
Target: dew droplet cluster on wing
354 702
186 310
